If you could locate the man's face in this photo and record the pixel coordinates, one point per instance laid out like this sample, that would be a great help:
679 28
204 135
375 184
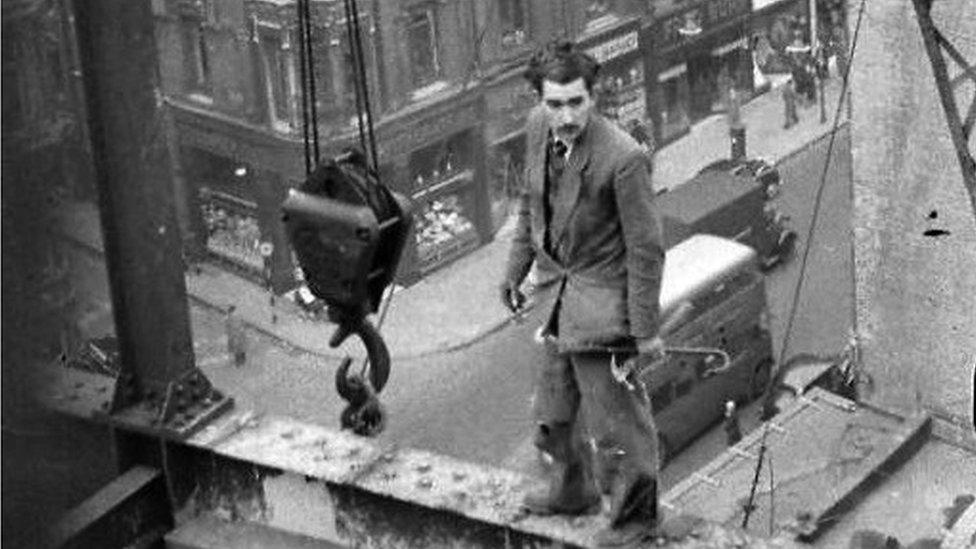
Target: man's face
567 107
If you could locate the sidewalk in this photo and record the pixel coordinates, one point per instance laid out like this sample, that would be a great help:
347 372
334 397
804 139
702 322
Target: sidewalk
458 306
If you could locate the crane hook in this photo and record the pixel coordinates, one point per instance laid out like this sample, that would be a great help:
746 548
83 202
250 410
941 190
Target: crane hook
363 415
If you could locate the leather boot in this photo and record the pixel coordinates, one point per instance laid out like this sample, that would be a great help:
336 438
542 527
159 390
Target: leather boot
569 491
633 512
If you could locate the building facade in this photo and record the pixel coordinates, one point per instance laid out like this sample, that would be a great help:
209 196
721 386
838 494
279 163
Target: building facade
232 74
696 52
447 92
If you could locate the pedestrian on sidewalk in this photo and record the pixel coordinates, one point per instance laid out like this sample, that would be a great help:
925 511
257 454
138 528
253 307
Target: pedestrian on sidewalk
236 336
733 432
587 221
789 102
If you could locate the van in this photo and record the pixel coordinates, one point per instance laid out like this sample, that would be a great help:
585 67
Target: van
717 288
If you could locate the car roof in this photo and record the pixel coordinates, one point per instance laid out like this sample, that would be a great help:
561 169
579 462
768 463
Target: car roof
706 193
698 263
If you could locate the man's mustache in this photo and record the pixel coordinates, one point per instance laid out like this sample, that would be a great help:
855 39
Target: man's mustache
568 128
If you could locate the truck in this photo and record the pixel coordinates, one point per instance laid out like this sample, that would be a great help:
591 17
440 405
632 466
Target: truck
729 205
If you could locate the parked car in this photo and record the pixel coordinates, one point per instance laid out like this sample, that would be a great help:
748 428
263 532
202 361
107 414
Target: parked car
759 169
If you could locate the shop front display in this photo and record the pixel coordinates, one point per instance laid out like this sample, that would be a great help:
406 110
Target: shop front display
444 228
443 194
233 232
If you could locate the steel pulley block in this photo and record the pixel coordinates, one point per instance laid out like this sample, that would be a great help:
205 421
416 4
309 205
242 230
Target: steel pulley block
348 232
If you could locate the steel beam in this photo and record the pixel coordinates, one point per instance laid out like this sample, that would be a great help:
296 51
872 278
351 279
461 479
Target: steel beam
935 43
160 390
131 511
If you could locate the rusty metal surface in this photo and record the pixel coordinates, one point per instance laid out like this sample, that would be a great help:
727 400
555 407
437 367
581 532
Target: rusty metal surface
823 449
248 469
159 389
75 392
131 509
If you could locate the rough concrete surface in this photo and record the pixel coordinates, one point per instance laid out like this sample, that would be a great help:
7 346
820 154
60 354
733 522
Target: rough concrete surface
915 294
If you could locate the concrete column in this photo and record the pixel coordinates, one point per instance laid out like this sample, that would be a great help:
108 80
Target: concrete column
914 232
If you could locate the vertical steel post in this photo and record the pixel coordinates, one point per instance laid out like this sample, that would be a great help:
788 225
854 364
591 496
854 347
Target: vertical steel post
160 389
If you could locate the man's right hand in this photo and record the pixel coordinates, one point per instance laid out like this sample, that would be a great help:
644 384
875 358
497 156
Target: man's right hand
512 298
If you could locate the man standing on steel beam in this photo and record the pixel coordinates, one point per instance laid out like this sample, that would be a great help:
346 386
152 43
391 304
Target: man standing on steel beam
587 221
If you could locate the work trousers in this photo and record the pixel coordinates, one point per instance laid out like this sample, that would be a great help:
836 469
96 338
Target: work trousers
616 419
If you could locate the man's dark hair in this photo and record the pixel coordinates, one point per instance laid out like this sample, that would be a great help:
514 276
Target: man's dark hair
561 62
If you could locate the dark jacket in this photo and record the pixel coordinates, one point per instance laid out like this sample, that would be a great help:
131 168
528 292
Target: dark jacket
606 234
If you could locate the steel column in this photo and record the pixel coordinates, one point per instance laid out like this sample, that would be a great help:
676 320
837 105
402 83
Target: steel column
159 390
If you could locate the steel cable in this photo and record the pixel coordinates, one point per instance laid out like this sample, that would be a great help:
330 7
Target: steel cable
811 232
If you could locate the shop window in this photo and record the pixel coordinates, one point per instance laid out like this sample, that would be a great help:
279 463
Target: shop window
444 230
443 193
232 229
511 18
279 76
194 34
422 46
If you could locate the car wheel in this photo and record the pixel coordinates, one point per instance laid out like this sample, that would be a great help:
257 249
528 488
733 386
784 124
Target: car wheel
760 378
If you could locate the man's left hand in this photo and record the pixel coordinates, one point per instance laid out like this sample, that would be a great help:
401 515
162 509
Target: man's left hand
650 351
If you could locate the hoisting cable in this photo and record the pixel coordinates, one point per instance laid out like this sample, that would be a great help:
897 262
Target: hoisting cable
342 181
794 306
364 115
356 61
303 86
364 83
310 59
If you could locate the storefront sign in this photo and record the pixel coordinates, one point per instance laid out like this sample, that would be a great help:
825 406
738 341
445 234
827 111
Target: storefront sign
615 47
